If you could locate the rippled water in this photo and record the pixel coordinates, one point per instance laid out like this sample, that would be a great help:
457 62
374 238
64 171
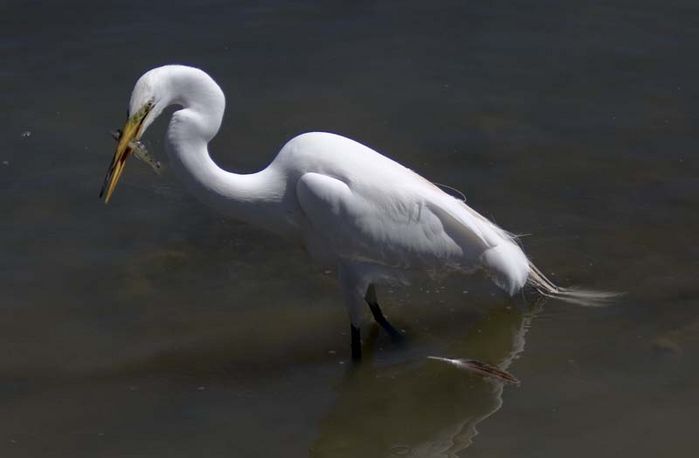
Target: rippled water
151 327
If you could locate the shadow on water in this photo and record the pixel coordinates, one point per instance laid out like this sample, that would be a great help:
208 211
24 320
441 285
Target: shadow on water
426 408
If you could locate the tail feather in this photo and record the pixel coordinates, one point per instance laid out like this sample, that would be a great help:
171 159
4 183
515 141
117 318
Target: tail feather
507 266
587 298
503 258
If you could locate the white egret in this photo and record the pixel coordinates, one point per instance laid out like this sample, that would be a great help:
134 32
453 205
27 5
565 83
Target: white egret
355 210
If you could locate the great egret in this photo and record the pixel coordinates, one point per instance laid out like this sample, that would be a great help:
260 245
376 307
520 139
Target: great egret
355 210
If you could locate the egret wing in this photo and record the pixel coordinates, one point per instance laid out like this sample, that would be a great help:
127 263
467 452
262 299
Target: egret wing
396 226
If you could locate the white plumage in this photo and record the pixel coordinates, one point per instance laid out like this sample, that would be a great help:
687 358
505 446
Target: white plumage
354 209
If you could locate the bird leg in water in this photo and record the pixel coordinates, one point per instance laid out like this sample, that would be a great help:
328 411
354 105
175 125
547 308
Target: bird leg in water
370 299
139 150
356 343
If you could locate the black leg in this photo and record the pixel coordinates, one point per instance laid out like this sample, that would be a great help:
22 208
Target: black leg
356 344
378 314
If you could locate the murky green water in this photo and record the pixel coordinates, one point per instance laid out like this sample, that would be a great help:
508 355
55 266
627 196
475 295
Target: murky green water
153 328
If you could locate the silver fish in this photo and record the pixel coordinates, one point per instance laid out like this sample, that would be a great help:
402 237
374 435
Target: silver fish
140 151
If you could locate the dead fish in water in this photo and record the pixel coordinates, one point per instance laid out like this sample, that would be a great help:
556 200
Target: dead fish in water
479 368
139 150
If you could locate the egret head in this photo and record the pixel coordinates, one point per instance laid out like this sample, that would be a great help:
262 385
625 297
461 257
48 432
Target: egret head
144 107
154 91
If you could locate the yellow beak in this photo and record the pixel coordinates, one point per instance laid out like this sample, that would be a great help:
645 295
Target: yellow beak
130 132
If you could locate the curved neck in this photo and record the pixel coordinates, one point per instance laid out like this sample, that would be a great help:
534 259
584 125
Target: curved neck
256 197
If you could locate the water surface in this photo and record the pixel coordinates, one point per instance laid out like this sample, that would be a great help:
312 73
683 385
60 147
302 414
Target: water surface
152 327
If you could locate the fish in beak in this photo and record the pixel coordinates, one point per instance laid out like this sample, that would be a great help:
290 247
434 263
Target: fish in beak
127 144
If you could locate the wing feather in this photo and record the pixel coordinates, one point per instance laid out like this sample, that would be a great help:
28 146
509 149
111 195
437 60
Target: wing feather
399 227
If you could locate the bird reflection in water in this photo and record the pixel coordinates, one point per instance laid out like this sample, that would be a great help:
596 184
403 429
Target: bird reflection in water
431 409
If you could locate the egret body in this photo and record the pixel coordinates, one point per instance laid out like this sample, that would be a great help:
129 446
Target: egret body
355 210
